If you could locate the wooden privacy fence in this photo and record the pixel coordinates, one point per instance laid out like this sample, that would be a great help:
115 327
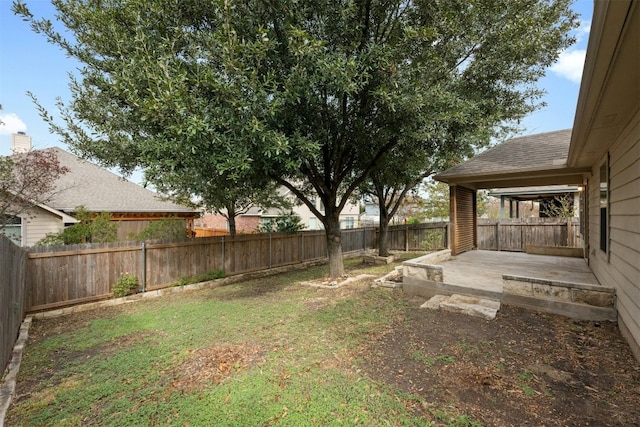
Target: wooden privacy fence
418 237
515 234
81 273
12 296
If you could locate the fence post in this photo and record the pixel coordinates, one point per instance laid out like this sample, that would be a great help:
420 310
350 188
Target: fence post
498 235
302 244
270 251
406 236
223 260
143 265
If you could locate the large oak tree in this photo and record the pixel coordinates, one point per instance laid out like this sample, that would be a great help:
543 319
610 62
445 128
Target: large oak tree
309 94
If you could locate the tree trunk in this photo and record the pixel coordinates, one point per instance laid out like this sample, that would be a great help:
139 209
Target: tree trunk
334 246
231 219
383 244
232 226
383 238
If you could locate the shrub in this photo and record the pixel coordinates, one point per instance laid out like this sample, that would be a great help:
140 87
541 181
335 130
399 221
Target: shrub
125 283
165 228
90 229
285 223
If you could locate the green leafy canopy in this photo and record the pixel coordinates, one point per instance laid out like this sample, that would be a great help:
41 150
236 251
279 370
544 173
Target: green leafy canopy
310 95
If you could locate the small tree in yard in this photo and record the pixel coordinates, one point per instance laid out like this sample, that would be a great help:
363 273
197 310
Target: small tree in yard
436 200
27 180
558 207
309 95
164 228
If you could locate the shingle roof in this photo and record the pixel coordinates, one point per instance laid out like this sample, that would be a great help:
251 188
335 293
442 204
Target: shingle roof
533 152
100 190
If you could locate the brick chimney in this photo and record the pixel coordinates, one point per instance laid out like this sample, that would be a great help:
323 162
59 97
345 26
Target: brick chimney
20 143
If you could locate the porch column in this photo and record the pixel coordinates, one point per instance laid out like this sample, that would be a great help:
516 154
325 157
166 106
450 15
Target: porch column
462 214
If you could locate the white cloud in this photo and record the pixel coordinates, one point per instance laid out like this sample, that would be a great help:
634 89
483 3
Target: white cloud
570 64
582 32
11 123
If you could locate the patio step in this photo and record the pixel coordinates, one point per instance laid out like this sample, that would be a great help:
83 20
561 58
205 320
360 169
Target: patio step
464 304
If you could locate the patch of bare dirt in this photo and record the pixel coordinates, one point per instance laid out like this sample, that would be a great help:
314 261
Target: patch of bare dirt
523 368
215 364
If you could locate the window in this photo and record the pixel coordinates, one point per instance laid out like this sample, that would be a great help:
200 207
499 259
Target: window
313 223
13 229
604 205
348 222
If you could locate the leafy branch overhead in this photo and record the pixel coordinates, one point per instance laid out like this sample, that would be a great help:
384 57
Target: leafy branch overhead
309 95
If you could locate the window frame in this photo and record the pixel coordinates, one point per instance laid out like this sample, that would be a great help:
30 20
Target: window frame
14 223
604 198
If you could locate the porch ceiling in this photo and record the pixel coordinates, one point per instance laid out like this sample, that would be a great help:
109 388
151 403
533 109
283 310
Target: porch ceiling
560 176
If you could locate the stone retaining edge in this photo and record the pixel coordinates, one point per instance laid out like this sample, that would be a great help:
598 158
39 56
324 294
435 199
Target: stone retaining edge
9 383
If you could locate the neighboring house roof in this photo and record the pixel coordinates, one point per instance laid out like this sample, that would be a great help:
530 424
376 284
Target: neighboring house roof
528 160
100 190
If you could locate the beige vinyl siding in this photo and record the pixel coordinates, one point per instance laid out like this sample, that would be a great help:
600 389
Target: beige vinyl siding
620 268
37 223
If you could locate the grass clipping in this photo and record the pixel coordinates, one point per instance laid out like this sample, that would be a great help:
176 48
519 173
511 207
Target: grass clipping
214 364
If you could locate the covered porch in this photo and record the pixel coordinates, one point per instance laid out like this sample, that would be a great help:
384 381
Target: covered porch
532 161
554 284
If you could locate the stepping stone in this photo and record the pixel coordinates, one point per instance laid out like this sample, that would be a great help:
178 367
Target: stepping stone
472 306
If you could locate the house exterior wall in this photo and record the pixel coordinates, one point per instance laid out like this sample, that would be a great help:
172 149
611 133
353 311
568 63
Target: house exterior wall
348 216
250 223
244 223
37 223
128 229
619 266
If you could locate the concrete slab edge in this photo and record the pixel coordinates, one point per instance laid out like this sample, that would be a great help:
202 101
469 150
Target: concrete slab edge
9 385
432 258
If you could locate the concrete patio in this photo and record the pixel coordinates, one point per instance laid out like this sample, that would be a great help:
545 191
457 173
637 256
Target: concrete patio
562 285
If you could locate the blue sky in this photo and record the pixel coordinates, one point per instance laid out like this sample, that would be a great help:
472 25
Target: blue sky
29 63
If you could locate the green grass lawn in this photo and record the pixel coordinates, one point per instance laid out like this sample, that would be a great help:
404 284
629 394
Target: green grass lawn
258 353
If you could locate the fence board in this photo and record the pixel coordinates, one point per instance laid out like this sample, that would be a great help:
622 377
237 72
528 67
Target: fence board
516 234
13 301
61 275
418 237
64 275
